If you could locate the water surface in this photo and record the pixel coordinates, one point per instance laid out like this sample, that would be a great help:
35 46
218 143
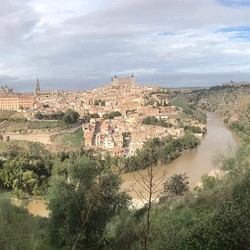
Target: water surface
196 162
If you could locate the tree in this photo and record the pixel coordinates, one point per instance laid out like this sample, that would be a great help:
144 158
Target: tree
151 186
70 116
39 115
82 204
95 115
19 229
176 185
208 181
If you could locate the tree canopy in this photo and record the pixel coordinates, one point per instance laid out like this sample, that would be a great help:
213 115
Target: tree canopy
82 203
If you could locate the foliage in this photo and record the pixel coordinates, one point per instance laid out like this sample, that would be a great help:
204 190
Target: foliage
176 185
24 170
82 204
152 120
157 150
53 116
122 232
6 114
111 115
189 109
208 182
20 125
19 230
193 129
70 116
95 115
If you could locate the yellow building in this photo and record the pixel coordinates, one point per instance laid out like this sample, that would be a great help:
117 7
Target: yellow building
16 101
127 82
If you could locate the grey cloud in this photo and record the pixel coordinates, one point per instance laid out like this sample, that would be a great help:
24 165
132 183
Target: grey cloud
120 37
4 79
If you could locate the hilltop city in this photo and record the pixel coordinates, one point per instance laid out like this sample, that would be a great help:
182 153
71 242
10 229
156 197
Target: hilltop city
116 118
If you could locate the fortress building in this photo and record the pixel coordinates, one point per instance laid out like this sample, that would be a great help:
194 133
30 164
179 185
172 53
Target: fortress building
127 82
14 101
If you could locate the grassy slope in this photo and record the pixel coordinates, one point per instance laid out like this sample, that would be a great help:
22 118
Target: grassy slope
74 139
189 111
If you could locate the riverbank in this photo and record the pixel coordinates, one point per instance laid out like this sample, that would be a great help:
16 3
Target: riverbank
218 141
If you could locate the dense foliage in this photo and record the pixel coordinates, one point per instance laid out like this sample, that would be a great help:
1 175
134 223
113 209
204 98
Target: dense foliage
19 230
82 204
25 168
157 150
111 115
176 185
152 120
69 117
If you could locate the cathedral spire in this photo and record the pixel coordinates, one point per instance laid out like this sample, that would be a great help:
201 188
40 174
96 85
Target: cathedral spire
38 89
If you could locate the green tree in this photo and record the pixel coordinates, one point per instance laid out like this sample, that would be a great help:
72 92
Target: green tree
208 182
70 116
82 204
20 230
176 185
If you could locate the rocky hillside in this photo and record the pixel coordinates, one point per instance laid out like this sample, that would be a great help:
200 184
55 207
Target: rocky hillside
230 101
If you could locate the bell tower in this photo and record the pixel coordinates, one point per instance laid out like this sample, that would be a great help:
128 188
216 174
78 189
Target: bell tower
38 89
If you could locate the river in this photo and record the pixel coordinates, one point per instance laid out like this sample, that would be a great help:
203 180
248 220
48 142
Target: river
196 162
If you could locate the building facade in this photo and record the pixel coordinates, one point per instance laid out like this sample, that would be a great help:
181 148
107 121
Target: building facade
16 101
127 82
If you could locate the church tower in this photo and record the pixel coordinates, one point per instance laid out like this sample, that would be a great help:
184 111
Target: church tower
38 89
132 80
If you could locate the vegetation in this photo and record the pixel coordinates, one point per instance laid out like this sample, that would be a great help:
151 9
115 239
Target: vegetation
6 115
157 150
111 115
189 109
193 129
68 117
152 120
74 139
19 230
88 211
53 116
82 204
176 185
25 168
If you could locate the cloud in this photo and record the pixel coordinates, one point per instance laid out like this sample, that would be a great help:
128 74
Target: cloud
82 43
4 78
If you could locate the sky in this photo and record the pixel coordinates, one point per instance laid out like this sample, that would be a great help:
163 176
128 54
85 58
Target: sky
81 44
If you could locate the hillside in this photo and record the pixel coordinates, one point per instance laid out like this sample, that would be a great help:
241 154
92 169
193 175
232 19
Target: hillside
231 102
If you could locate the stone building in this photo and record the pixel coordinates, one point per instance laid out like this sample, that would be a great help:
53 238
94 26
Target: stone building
16 101
127 82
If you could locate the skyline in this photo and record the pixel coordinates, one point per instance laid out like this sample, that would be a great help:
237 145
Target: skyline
82 44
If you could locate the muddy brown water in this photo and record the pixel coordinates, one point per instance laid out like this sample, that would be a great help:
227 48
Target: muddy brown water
219 140
195 163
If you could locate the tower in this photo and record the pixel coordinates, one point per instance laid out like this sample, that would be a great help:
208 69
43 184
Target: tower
38 89
115 81
132 79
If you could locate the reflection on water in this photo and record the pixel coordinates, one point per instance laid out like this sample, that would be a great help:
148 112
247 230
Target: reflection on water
196 162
